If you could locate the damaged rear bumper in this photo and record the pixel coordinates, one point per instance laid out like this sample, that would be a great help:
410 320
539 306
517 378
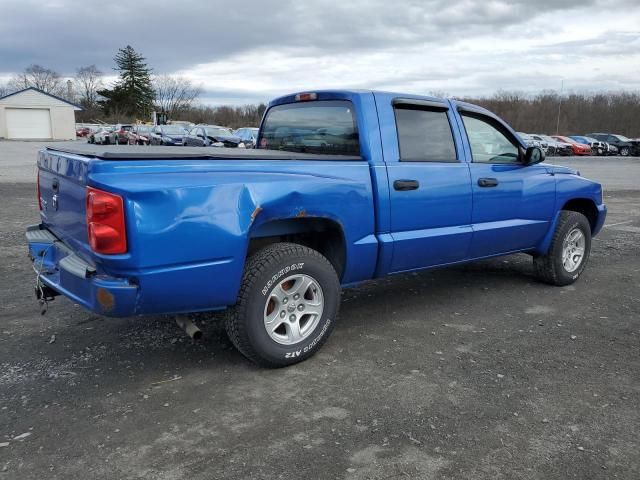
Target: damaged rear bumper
60 269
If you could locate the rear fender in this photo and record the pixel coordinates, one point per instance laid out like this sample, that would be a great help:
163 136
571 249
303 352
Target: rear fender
192 229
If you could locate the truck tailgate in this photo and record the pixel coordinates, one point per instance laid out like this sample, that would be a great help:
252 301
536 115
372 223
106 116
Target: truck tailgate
62 187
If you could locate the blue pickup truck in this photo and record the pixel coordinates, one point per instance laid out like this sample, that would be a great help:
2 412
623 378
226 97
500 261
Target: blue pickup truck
342 187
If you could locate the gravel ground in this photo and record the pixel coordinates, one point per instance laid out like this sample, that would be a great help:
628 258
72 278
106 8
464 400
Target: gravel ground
475 372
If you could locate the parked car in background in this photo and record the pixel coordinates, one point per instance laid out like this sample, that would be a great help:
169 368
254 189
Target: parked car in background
625 146
578 148
547 145
612 149
597 147
556 147
167 135
120 135
83 131
248 135
211 136
530 141
103 136
139 135
91 135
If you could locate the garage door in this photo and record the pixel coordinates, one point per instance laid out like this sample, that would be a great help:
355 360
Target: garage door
28 123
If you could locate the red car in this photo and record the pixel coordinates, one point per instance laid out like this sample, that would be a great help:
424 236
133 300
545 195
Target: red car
83 131
121 134
578 148
139 135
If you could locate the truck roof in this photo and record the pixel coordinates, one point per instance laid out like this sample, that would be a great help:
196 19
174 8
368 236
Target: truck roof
346 94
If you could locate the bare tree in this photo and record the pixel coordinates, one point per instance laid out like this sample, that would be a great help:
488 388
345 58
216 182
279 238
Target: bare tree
37 76
174 94
4 89
87 82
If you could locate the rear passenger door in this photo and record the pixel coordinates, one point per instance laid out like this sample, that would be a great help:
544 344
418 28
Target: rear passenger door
429 183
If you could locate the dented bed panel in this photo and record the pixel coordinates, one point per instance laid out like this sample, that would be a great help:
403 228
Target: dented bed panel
190 222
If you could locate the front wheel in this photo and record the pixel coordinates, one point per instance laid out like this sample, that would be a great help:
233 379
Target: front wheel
624 151
287 305
569 251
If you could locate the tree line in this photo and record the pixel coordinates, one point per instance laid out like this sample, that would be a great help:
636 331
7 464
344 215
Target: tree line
138 92
571 114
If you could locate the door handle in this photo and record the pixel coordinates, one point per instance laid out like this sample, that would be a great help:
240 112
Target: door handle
404 185
488 182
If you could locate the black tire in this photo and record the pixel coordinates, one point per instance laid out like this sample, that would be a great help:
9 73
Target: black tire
549 268
264 271
624 151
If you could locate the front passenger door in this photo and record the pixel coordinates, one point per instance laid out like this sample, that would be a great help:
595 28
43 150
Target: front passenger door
513 203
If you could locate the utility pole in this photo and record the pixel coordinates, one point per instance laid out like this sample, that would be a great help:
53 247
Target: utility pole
559 105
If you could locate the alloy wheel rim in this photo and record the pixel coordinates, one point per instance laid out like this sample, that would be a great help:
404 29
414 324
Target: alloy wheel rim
573 249
293 309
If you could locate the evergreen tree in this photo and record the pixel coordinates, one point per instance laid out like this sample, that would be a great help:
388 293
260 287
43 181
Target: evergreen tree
132 95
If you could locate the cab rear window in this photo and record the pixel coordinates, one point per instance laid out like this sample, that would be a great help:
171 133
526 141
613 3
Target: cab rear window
325 127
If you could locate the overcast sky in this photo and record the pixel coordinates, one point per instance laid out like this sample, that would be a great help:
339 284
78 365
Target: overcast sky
253 50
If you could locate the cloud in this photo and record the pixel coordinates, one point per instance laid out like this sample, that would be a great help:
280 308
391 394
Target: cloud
251 50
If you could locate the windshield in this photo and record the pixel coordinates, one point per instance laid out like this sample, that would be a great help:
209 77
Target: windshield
143 129
172 130
622 138
326 127
218 132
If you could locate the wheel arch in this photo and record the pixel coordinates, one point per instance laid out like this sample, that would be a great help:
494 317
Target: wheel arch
319 233
586 207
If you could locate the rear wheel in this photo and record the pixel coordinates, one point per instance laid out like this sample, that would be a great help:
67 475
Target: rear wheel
569 251
287 305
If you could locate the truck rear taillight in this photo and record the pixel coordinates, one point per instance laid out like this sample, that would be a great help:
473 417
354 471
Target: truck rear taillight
38 191
105 222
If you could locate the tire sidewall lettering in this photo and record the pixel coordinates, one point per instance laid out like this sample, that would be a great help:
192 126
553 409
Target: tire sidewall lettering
306 349
281 272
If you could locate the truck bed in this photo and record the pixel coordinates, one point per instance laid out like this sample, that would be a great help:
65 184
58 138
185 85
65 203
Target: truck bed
189 220
137 152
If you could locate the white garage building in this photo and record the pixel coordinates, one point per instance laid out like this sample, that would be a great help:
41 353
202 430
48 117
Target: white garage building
32 114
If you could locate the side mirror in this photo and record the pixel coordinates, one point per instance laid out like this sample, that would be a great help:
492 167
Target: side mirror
533 155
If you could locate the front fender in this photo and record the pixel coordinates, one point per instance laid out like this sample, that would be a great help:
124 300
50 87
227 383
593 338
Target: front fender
570 187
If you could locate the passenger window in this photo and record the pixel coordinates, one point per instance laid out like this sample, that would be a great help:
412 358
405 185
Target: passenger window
424 135
488 144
